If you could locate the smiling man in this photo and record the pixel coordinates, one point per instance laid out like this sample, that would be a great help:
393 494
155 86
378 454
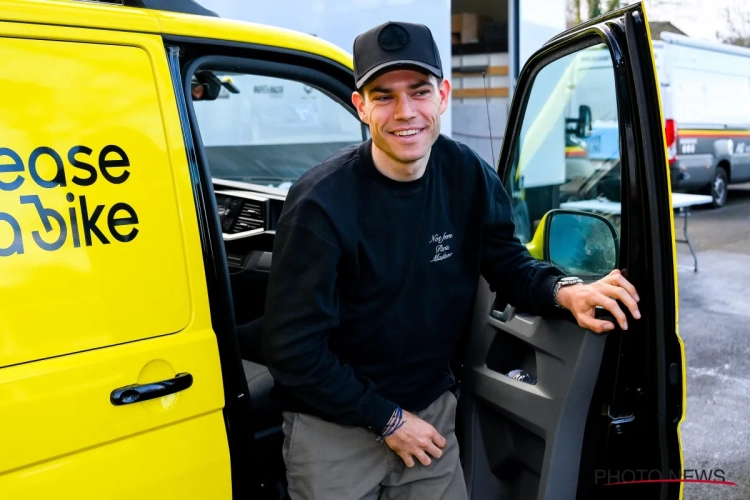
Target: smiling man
377 256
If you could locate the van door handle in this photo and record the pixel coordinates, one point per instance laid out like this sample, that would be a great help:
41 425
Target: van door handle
143 392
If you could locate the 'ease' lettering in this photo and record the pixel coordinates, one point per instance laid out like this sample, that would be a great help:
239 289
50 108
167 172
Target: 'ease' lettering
76 156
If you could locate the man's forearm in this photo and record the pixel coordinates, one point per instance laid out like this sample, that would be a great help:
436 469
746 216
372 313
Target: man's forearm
301 311
310 372
520 279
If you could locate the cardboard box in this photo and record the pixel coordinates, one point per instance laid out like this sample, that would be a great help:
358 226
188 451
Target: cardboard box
456 23
468 26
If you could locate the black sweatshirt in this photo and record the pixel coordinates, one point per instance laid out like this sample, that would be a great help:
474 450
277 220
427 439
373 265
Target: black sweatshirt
373 279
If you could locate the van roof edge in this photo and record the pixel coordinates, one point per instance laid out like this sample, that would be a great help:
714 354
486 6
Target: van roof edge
179 6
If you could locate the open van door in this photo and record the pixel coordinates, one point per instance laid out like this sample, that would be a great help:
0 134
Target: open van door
548 409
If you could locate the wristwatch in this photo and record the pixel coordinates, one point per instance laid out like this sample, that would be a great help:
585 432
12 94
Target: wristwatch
567 281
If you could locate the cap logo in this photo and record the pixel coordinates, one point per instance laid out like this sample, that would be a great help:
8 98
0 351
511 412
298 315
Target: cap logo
393 37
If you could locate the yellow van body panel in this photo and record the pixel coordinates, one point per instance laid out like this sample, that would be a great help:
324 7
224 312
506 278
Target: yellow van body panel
244 32
81 14
63 439
82 317
115 17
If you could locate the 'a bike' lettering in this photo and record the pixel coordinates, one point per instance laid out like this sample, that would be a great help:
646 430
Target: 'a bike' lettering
45 214
112 223
89 222
90 225
16 246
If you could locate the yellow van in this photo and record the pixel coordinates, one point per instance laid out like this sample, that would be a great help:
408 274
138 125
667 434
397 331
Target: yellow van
144 159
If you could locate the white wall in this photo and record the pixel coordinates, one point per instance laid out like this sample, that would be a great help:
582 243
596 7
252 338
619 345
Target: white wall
539 20
340 21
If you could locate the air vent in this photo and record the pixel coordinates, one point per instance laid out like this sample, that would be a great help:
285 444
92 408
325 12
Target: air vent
251 216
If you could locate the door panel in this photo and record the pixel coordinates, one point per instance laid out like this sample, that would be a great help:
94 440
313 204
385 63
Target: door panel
534 430
149 476
86 197
62 434
589 403
81 320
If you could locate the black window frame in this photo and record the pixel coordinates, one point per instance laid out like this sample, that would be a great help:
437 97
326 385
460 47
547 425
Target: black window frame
184 56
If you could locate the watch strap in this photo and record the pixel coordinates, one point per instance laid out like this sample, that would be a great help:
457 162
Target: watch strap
564 281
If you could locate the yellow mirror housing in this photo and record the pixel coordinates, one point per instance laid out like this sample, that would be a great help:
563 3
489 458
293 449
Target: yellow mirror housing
536 245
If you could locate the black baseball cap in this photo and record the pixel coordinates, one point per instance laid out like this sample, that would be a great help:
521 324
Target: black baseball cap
395 44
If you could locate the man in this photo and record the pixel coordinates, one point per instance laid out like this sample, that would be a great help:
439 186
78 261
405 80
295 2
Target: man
376 259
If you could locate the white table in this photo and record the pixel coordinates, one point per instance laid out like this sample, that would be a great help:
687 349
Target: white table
680 201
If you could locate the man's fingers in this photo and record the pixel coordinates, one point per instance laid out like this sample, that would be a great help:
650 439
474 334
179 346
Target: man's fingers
438 440
407 458
621 281
611 306
598 325
626 299
434 451
422 457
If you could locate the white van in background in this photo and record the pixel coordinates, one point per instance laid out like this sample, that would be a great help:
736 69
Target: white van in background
705 91
705 94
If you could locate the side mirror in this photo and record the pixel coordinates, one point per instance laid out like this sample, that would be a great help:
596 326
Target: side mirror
581 244
206 86
584 121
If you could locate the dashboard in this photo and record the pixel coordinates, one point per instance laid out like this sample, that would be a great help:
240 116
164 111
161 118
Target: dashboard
248 222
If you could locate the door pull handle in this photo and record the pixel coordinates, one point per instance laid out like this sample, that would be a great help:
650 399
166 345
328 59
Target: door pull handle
143 392
501 315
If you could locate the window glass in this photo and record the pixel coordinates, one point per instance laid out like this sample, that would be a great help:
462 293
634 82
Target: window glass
568 153
266 130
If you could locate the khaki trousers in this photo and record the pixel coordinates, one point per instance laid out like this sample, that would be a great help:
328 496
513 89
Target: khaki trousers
326 461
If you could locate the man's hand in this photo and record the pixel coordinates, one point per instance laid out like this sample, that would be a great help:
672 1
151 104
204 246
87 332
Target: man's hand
416 438
582 300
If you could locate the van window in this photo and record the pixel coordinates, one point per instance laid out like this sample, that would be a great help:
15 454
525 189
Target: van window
266 130
91 250
568 153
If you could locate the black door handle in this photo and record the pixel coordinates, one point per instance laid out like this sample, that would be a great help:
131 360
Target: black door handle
137 393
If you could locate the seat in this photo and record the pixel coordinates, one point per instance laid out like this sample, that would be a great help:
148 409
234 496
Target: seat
259 383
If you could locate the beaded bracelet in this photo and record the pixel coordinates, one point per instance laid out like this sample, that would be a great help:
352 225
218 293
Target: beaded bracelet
394 424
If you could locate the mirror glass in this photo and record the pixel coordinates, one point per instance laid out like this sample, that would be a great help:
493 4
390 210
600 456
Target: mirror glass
584 121
582 244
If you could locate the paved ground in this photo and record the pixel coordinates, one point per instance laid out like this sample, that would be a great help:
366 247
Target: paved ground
715 327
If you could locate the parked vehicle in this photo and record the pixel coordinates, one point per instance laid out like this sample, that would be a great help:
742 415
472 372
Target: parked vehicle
145 160
705 92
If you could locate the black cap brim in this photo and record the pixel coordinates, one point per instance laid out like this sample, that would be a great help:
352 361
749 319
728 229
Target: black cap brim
397 64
